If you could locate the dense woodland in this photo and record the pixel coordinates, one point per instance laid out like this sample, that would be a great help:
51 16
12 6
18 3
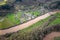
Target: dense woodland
14 5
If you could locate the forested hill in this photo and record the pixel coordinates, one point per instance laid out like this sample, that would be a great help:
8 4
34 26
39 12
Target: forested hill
52 4
31 2
29 5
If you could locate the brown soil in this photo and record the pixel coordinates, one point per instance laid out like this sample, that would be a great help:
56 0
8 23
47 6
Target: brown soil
52 35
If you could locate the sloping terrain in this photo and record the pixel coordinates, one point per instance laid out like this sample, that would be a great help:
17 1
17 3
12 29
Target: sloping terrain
35 33
17 12
25 25
22 11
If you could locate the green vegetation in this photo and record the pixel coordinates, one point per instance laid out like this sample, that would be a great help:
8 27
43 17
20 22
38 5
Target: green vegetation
35 13
10 20
34 31
13 19
36 25
39 23
57 20
56 38
5 24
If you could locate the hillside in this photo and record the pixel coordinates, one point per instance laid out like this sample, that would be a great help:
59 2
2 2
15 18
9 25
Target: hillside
29 19
36 31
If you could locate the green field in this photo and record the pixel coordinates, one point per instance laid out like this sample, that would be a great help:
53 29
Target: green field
10 20
13 19
57 20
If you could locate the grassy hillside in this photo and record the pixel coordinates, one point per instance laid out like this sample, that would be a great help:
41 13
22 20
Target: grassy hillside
9 21
13 19
57 20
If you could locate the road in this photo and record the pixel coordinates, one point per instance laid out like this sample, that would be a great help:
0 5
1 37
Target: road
52 35
25 25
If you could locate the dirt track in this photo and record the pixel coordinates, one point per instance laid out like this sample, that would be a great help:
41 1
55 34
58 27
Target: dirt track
25 25
52 35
